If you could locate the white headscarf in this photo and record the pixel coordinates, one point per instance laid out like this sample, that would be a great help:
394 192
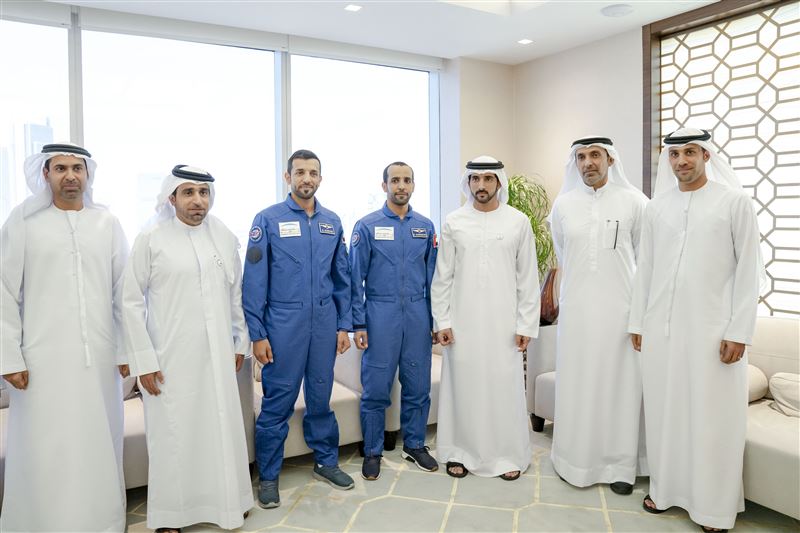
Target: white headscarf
181 174
502 194
34 176
12 240
616 173
717 168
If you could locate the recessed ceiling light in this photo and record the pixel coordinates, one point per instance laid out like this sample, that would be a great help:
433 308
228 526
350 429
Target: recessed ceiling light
352 7
617 10
524 41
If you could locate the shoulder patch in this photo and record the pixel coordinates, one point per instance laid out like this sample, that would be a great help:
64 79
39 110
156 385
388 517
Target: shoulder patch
256 233
254 254
435 241
355 239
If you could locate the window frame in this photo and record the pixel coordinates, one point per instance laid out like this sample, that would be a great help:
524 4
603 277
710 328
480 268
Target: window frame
77 18
652 34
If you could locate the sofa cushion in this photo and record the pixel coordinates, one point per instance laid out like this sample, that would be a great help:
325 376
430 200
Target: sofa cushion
772 459
785 388
757 385
344 404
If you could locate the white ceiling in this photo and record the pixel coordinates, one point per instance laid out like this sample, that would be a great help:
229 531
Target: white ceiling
487 30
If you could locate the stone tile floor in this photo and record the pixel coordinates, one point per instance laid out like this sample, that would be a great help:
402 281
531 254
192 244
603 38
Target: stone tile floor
407 499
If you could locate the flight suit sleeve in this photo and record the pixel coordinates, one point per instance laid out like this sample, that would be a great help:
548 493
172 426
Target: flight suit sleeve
255 280
430 266
360 254
340 274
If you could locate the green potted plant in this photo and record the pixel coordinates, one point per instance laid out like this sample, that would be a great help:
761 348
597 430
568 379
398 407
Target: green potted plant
530 197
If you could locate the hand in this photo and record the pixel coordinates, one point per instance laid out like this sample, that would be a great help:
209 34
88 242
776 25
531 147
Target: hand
150 382
124 371
445 336
434 338
343 342
239 361
636 340
522 342
360 337
262 351
730 352
19 380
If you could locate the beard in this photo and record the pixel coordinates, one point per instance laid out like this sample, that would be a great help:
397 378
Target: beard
306 192
400 200
484 197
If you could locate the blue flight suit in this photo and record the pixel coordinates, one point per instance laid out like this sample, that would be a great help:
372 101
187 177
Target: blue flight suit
391 265
296 293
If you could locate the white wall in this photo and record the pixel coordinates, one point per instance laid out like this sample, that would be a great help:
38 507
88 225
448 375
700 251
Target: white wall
595 89
477 111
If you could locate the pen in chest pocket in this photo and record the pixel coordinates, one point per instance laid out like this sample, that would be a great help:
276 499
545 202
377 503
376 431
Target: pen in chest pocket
616 231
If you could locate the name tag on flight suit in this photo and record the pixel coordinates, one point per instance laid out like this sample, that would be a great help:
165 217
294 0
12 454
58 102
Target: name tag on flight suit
383 233
419 233
289 229
326 229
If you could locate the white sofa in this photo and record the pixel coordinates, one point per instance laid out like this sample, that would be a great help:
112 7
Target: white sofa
345 402
772 450
135 463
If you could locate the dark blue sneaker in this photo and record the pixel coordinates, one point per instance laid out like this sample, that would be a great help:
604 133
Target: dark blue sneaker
421 458
333 476
268 495
371 469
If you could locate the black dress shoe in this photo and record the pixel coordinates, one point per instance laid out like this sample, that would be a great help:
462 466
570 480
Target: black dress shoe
621 488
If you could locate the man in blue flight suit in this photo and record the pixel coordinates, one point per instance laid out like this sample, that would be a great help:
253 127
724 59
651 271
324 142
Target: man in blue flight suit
296 299
392 258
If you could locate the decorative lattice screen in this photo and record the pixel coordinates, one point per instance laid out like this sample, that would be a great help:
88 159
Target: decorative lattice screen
740 79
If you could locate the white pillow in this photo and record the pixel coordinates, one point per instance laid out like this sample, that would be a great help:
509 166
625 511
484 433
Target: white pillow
785 388
757 386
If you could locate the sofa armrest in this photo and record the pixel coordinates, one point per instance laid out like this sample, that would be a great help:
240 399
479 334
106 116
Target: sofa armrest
244 380
347 370
541 359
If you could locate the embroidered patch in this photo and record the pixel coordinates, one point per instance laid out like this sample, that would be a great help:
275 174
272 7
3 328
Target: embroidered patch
255 234
254 255
326 229
355 239
435 241
419 233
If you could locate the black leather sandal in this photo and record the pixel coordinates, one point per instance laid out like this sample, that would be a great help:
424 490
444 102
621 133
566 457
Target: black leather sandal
453 464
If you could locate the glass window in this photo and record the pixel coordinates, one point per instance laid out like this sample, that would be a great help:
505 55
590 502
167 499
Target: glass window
740 79
34 101
153 103
358 118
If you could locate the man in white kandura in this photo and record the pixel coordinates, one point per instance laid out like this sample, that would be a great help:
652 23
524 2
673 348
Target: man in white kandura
692 313
186 338
485 303
595 221
62 262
